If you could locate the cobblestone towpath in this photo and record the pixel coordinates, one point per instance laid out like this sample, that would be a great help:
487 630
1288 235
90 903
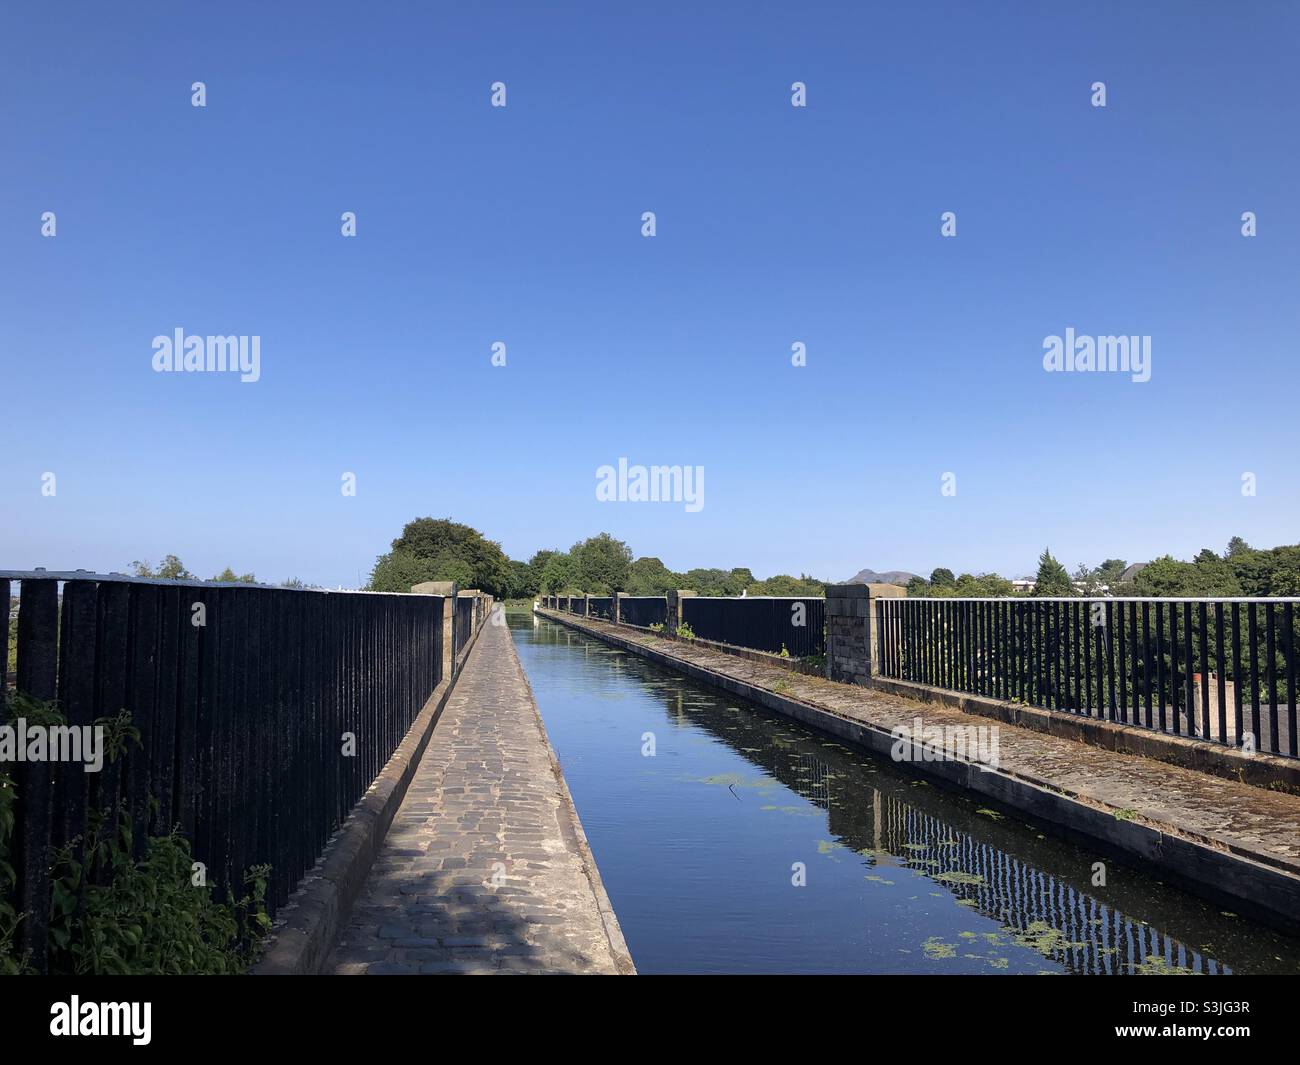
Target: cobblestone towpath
486 868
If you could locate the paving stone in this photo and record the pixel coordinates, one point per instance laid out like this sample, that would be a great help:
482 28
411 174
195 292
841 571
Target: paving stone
480 872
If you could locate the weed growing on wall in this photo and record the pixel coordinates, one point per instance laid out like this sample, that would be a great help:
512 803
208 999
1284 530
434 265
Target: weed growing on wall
10 962
113 913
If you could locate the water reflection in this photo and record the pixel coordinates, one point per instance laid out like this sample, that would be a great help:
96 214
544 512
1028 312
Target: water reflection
902 877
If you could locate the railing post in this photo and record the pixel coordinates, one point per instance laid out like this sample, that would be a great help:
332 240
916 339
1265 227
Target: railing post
446 589
675 608
616 608
848 633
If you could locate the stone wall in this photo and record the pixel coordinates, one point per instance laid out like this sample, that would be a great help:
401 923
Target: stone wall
848 633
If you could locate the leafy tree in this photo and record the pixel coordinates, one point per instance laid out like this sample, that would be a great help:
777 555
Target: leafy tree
1085 580
1052 578
602 563
1166 575
984 586
1267 572
918 588
943 578
784 584
230 576
1109 572
399 571
170 568
717 581
649 576
1237 546
536 565
442 550
522 583
560 574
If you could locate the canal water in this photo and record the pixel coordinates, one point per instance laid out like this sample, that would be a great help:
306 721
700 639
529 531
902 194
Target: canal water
702 843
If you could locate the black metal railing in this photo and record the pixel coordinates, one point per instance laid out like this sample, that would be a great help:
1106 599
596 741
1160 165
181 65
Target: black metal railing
643 610
466 609
763 623
263 716
1040 910
1223 670
601 606
578 605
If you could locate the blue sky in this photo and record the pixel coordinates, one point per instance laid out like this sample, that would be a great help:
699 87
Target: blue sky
523 225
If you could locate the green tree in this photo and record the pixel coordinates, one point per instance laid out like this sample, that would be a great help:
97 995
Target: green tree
522 583
943 578
442 550
560 574
717 581
649 576
1052 579
170 568
983 586
228 575
603 564
1109 572
1271 572
399 571
536 565
784 584
1085 580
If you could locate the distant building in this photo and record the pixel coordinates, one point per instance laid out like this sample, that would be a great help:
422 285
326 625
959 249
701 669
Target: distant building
882 590
1024 585
1132 572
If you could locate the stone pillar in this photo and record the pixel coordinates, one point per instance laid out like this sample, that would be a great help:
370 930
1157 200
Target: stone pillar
616 609
583 605
675 608
848 633
446 589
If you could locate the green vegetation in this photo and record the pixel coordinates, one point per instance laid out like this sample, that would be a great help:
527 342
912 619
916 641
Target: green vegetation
432 549
172 568
967 586
1240 570
1052 579
112 913
601 565
10 963
442 550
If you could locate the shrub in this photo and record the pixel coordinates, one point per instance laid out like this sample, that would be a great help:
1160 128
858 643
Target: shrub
112 913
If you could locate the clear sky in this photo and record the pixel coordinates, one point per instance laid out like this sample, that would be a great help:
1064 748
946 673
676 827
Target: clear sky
522 224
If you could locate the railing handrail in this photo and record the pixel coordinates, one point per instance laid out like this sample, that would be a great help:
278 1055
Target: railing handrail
126 578
1090 599
739 598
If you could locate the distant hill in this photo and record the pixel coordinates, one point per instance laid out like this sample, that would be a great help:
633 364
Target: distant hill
870 576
